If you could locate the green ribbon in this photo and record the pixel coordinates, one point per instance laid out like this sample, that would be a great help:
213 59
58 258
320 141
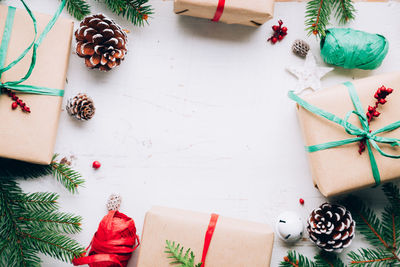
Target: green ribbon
361 134
16 85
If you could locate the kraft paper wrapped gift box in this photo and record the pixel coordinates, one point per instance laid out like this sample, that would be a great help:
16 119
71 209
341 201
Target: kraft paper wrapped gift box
31 137
342 169
235 243
248 12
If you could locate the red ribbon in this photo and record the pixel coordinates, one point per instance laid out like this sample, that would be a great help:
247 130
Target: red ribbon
113 243
208 237
219 11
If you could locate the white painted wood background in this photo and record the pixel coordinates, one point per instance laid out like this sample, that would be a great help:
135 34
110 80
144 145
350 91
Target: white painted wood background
197 117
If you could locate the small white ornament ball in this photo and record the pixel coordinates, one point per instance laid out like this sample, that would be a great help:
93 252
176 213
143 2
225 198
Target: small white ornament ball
289 227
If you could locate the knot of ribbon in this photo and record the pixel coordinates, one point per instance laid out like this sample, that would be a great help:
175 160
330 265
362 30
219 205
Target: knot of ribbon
371 137
37 40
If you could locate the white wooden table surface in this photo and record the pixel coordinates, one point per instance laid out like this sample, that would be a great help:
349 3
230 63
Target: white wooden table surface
197 117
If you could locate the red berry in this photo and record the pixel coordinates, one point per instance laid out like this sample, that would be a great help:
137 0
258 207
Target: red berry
301 201
19 101
274 40
376 96
96 164
280 37
14 105
275 28
371 109
14 97
26 109
377 113
284 29
382 101
389 90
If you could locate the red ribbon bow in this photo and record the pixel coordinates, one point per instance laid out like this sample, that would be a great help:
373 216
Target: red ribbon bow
113 243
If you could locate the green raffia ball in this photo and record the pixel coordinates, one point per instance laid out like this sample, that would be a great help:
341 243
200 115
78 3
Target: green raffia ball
353 49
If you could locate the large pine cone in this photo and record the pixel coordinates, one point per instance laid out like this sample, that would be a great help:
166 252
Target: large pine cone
101 42
331 227
81 107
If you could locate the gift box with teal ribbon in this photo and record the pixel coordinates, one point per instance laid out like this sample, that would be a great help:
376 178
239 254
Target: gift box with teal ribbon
34 56
334 122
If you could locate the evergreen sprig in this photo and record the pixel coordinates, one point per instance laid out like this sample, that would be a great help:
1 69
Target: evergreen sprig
78 8
323 259
181 259
13 169
30 223
136 11
318 13
382 233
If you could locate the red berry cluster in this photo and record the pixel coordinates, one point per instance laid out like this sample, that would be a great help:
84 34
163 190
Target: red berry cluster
279 32
372 112
17 101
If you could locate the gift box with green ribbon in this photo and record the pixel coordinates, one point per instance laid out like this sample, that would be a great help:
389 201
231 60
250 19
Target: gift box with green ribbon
334 122
34 56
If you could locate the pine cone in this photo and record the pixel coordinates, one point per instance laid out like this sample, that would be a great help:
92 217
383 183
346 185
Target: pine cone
101 42
114 202
331 227
81 107
300 48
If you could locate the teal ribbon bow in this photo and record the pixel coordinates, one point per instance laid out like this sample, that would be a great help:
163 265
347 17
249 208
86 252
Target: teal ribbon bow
363 133
37 40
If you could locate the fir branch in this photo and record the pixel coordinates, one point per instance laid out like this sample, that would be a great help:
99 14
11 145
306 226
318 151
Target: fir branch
294 259
13 169
371 257
392 193
70 178
28 227
368 224
53 221
136 11
325 259
318 13
176 252
345 10
78 8
53 244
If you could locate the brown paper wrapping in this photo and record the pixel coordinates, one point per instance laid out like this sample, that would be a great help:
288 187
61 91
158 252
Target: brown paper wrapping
235 243
31 137
249 12
342 169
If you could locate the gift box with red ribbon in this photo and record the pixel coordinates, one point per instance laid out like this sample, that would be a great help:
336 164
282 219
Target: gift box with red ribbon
250 12
214 240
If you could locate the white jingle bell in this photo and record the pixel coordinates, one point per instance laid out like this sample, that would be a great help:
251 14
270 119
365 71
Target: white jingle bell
289 226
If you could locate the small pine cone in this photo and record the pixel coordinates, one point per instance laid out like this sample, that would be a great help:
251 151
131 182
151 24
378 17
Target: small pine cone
101 42
331 227
114 202
81 107
300 48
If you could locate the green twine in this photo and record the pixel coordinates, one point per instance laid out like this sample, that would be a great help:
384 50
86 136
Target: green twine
352 49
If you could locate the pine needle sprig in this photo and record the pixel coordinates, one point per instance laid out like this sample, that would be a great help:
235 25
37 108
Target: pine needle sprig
345 10
78 8
323 259
294 259
30 223
13 169
181 259
136 11
68 177
53 221
371 257
318 14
